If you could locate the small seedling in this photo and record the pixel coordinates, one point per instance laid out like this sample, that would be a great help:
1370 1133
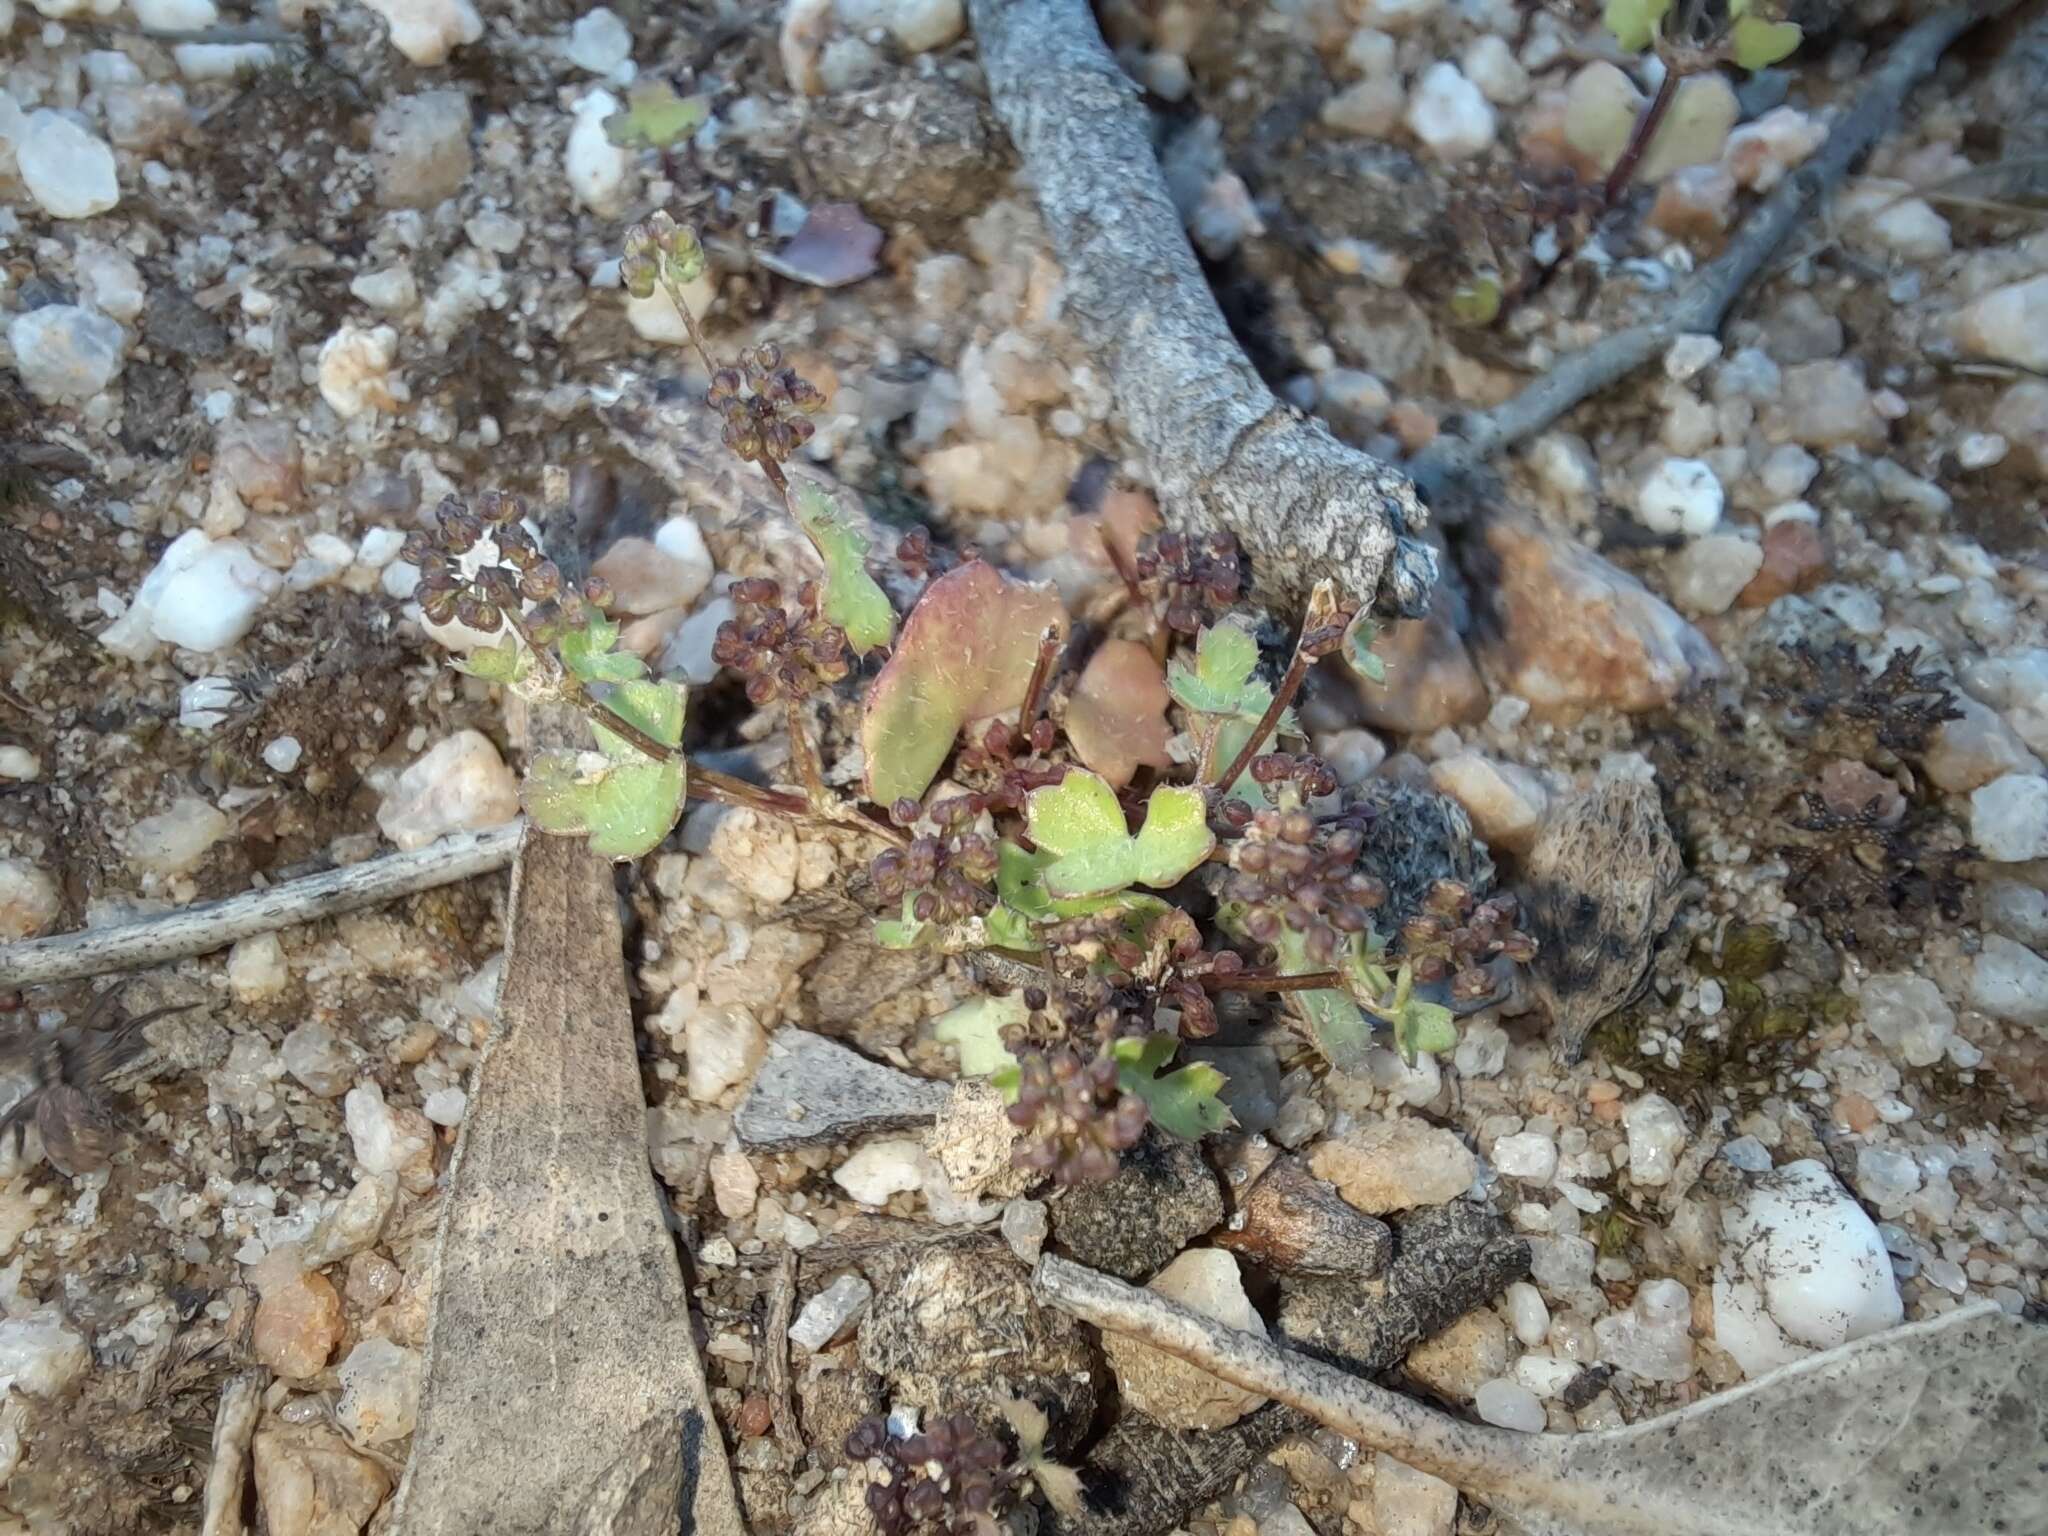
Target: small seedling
993 765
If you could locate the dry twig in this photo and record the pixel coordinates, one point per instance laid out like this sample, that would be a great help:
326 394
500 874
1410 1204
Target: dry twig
1705 303
213 925
1223 452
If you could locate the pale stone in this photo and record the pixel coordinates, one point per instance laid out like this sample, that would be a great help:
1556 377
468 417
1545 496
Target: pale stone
1395 1164
1458 1361
830 1315
1449 114
28 900
1908 1016
735 1186
309 1483
357 370
39 1353
298 1320
380 1391
1802 1268
2009 818
67 170
2008 325
1505 801
1681 496
1406 1502
173 841
1170 1391
2009 981
1709 574
460 784
426 31
882 1168
723 1046
1508 1404
1656 1137
66 353
1652 1339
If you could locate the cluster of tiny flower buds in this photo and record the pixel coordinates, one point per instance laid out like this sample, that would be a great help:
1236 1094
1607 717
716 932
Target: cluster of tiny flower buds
482 598
1076 1120
914 553
780 653
770 420
1012 762
1455 934
1188 967
947 1478
1190 578
945 873
657 253
1295 872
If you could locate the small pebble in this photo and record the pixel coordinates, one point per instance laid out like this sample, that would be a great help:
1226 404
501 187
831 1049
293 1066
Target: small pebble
1510 1405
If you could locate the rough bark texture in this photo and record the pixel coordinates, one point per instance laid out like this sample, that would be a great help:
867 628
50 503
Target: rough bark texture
1447 1260
1142 1479
1222 451
562 1390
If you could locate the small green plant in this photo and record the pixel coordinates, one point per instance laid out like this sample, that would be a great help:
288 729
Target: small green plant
1104 819
1689 39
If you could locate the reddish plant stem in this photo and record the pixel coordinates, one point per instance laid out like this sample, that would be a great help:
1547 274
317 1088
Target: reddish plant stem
1290 685
724 789
1266 981
1647 124
1041 669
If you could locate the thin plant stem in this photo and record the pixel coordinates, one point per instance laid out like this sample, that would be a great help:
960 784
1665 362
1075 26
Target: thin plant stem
675 297
1041 669
1265 981
724 789
804 755
1647 124
1290 685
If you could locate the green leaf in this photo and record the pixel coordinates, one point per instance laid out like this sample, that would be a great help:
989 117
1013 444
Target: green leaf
1006 1081
1476 301
852 599
588 653
655 116
505 662
1425 1026
1182 1103
976 1028
966 653
1340 1028
1634 22
1358 650
1079 822
1758 44
905 932
1020 880
1218 682
1007 928
625 802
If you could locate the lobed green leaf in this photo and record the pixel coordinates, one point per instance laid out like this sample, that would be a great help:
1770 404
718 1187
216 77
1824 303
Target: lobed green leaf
1183 1103
1079 822
853 600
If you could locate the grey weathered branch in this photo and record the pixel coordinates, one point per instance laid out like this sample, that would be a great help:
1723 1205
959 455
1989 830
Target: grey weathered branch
1946 1415
1705 302
1145 1478
1223 452
212 925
